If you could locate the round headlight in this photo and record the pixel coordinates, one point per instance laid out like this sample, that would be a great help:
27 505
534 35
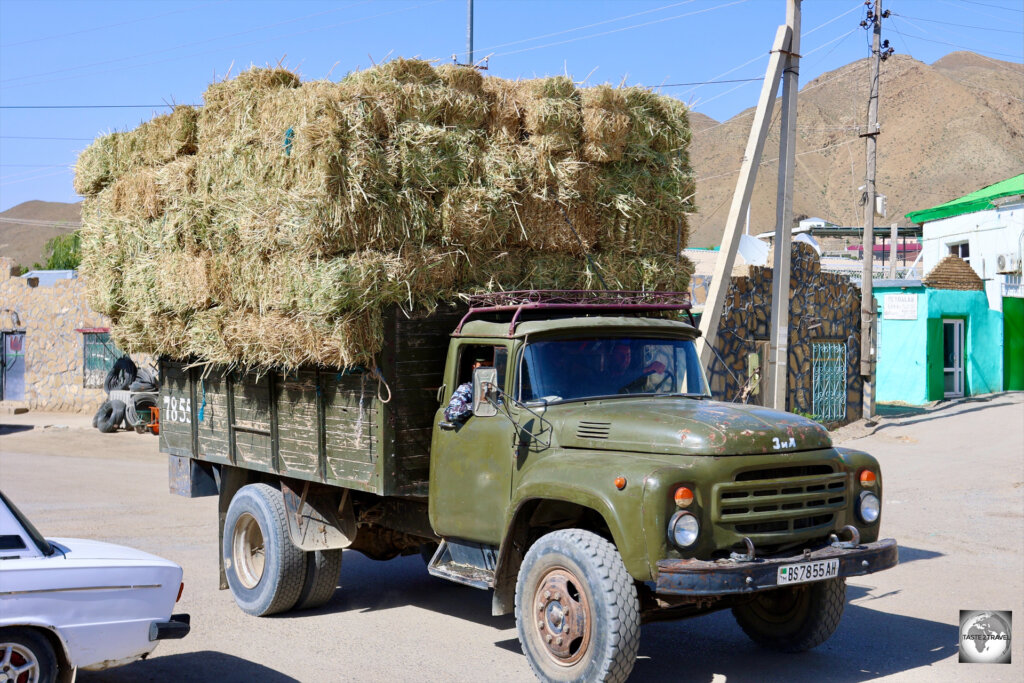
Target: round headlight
869 508
683 529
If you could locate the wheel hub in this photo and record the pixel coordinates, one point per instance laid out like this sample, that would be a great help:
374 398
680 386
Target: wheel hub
18 665
247 552
563 617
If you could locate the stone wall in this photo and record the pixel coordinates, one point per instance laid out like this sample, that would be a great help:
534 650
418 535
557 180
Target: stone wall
54 361
823 307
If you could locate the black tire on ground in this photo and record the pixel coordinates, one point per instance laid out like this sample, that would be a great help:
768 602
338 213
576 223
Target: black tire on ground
265 571
323 568
30 653
573 587
794 619
99 411
110 416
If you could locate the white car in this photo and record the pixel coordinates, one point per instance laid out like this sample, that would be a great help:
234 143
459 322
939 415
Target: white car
69 604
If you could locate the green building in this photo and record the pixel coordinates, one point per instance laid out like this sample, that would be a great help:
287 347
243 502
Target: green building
937 337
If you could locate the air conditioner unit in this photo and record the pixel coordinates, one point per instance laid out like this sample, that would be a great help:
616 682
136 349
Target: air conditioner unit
1008 263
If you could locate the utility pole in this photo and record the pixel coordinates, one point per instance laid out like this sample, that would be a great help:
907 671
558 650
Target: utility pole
778 345
741 199
469 32
867 300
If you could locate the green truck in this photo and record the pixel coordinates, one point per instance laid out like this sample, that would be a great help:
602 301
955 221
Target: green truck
594 486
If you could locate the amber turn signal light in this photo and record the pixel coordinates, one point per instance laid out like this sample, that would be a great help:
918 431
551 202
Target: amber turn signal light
181 589
867 478
684 497
620 483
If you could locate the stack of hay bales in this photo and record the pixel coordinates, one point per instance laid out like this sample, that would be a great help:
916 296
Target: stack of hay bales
272 226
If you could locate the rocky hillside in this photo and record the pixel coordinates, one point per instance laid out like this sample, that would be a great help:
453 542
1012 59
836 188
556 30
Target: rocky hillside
25 228
948 128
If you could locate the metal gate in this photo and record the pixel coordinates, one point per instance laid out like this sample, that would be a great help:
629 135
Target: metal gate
829 373
12 365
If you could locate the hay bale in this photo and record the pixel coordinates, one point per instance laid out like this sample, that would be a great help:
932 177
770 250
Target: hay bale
606 123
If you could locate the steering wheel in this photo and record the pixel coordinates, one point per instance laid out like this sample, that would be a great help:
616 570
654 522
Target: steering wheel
669 377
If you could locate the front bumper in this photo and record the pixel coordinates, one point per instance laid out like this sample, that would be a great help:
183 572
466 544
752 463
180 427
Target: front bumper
728 577
177 627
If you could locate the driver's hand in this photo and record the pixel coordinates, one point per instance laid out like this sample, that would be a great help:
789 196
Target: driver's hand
657 367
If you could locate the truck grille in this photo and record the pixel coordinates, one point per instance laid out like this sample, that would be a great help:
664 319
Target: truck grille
780 500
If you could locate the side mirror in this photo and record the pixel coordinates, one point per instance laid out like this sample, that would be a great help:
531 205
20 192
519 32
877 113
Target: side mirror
485 383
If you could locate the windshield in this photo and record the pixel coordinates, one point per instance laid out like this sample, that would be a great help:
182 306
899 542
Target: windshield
572 369
44 546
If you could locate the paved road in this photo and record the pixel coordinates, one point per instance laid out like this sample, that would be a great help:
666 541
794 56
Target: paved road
954 498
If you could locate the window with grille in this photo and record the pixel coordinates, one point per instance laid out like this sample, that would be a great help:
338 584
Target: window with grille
829 373
100 354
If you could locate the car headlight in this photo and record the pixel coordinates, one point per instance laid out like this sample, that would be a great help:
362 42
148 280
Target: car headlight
869 507
683 529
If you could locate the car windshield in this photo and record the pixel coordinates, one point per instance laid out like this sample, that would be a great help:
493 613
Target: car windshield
564 370
44 546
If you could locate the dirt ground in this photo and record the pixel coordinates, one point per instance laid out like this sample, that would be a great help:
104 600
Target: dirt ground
953 498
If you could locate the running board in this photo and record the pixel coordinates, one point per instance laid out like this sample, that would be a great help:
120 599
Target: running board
465 562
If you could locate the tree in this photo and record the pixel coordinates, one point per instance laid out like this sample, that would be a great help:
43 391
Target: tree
63 252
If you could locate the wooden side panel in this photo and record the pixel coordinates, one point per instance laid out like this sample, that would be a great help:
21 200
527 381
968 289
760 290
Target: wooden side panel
212 417
297 427
413 360
175 409
253 418
351 429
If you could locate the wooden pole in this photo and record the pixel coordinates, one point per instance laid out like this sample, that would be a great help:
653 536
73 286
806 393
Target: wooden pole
741 199
778 345
893 240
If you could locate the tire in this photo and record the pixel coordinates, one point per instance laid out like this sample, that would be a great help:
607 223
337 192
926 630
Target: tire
323 567
28 651
121 375
110 416
264 570
794 619
99 412
573 587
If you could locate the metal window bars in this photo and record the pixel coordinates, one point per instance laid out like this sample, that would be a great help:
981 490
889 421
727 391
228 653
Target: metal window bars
829 378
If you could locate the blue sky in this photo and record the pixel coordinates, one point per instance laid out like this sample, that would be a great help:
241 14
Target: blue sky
129 52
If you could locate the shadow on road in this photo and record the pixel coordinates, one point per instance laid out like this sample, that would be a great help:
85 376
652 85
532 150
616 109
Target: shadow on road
193 666
908 554
916 414
14 429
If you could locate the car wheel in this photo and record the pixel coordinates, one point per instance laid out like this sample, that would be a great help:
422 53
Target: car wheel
264 570
577 611
323 567
794 619
26 656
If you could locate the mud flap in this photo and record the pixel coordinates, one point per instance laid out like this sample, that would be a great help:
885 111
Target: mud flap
315 519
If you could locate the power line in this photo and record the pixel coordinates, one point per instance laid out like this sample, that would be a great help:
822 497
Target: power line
91 106
732 80
33 137
105 26
34 165
41 223
623 28
953 23
985 4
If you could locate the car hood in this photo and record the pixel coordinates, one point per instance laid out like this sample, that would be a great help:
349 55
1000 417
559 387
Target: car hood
684 426
83 549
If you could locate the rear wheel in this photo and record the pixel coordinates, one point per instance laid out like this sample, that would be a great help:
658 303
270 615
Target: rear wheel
323 567
794 619
26 656
265 572
577 610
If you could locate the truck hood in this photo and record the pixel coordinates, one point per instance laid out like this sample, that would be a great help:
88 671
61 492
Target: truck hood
683 426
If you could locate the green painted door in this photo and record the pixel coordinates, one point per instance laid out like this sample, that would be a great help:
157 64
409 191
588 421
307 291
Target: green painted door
471 467
1013 343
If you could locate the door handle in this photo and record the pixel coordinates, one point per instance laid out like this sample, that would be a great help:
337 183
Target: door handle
447 426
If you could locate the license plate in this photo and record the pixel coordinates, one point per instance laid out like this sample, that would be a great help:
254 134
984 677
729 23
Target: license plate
808 571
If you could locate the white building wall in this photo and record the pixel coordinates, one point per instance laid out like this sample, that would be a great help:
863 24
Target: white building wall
987 233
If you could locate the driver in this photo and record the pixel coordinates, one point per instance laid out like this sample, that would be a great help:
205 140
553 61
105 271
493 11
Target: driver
460 407
620 365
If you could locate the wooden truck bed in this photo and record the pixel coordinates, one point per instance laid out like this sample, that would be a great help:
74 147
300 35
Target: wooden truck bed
319 424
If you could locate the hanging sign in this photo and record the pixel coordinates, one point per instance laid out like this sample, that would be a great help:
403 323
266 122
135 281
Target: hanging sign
899 307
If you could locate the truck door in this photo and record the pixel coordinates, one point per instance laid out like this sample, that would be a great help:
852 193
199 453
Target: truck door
471 460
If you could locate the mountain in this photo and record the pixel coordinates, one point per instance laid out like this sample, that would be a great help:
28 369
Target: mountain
25 228
947 129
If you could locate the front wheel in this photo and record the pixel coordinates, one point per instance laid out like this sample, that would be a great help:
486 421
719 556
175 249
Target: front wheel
794 619
26 655
577 611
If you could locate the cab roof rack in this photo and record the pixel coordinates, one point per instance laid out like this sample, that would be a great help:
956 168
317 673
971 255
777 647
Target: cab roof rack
582 301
